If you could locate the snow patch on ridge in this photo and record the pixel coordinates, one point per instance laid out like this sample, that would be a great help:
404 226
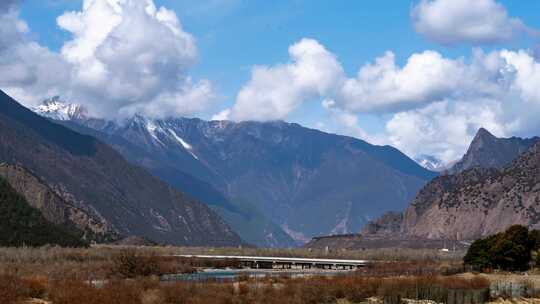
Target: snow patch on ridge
152 129
295 235
184 144
180 140
343 225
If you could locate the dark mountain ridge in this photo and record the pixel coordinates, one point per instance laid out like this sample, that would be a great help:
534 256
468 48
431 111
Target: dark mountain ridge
306 181
130 199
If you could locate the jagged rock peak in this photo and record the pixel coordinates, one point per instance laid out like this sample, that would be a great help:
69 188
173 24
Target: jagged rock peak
489 151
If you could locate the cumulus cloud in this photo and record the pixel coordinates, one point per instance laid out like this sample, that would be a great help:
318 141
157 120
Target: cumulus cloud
443 129
505 101
223 115
431 105
384 86
124 57
128 55
274 92
28 71
463 21
347 122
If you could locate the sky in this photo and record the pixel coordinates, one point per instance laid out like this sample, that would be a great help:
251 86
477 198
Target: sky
420 75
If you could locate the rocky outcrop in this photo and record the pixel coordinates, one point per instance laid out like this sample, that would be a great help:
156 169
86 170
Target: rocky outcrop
388 225
475 203
494 186
56 207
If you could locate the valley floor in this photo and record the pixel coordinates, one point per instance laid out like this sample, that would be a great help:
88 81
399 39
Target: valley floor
117 275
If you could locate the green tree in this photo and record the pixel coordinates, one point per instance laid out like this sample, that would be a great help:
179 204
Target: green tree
512 250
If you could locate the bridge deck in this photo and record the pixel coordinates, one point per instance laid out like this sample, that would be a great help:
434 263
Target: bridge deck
256 261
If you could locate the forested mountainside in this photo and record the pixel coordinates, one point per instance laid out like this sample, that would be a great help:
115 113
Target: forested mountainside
24 225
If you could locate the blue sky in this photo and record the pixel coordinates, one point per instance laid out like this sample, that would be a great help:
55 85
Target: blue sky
233 36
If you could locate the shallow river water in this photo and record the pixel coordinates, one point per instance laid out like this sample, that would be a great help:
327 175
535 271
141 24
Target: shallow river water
232 274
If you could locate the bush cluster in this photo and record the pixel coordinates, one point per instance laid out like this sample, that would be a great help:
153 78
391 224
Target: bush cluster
512 250
131 264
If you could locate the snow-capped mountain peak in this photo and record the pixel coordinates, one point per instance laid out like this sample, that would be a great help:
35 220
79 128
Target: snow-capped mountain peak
431 163
57 109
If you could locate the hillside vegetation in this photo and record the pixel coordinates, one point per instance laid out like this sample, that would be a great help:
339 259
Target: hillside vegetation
23 225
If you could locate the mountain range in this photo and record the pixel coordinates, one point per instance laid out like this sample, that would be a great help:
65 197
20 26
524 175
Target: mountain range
496 184
92 177
276 183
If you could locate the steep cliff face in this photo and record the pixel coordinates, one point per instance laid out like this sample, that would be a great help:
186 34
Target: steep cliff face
95 176
449 207
474 203
496 185
56 207
488 151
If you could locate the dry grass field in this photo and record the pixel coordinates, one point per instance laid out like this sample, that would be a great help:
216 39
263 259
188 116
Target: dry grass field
119 275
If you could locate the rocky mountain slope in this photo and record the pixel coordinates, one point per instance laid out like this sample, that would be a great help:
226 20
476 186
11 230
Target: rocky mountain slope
252 225
471 204
488 151
56 209
23 225
136 143
131 200
308 182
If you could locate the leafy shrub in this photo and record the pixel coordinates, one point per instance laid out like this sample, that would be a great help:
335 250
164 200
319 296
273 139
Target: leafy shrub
510 250
130 264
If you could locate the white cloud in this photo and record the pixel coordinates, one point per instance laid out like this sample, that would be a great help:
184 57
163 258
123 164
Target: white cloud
125 56
27 70
443 129
223 115
347 122
527 74
432 104
384 86
503 97
274 92
128 55
464 21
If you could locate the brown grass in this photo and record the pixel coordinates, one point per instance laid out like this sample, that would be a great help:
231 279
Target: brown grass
271 291
65 275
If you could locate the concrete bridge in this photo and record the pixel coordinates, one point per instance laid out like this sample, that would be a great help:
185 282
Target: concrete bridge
259 262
